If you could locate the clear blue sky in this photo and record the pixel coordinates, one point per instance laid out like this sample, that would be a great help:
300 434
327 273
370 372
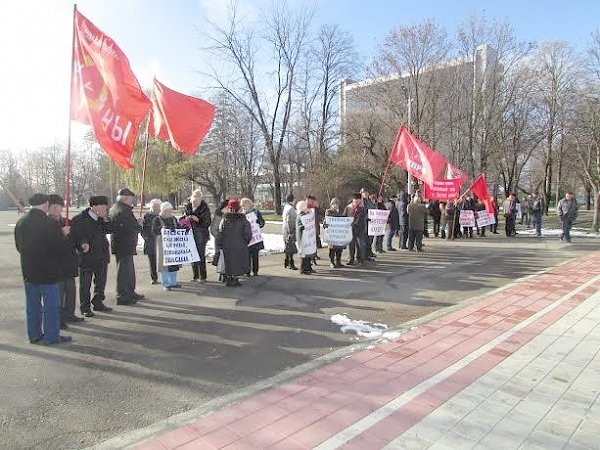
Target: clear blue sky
161 38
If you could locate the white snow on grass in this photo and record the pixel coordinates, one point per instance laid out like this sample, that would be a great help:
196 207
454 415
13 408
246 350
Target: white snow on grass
576 232
362 328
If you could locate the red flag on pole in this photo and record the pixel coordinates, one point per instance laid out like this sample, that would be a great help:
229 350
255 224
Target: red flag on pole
179 119
416 157
454 173
479 188
105 92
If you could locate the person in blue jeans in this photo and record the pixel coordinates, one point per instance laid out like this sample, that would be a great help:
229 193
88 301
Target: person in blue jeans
165 220
40 243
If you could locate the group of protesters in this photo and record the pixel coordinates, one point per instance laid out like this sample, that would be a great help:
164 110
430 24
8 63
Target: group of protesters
55 251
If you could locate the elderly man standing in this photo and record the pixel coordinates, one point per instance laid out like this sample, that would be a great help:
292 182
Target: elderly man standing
150 238
567 211
125 229
40 242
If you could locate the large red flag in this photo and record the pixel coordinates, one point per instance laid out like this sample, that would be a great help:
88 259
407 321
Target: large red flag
479 188
105 92
454 173
416 157
180 119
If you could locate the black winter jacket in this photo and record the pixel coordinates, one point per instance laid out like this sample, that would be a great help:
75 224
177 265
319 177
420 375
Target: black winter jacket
125 229
202 212
86 230
148 235
40 242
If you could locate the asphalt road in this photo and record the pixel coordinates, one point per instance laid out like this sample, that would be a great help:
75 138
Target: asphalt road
177 350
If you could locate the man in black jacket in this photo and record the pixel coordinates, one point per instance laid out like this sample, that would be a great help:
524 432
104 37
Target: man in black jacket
69 265
89 231
125 229
40 242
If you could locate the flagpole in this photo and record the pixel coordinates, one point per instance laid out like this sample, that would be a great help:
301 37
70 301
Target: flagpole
144 167
387 168
68 169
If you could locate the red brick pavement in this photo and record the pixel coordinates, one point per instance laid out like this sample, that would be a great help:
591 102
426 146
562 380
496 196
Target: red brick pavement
309 410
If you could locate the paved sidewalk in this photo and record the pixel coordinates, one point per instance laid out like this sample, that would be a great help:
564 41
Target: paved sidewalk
518 369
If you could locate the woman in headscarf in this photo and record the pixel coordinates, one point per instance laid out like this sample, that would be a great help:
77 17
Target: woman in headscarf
198 214
165 220
233 237
335 252
254 249
221 209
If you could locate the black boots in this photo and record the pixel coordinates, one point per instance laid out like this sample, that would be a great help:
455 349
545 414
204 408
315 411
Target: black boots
289 262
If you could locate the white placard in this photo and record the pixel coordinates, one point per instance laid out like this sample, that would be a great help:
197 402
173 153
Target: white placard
485 218
338 231
256 233
308 246
377 221
519 211
466 218
179 247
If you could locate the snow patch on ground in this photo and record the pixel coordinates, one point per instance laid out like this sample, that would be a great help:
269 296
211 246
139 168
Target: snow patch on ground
361 328
577 232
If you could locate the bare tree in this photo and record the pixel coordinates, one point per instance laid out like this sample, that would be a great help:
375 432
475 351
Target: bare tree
265 91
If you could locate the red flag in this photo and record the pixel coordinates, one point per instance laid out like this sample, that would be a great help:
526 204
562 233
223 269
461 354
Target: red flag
454 173
479 188
416 157
180 119
105 92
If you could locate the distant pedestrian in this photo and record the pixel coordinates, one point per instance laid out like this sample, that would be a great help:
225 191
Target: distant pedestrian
494 204
367 204
416 217
125 230
510 215
356 248
335 251
379 204
302 210
567 211
436 216
234 236
214 229
468 204
150 237
40 242
537 209
401 205
393 223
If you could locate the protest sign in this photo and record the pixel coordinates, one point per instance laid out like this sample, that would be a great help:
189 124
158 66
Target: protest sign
308 246
377 221
466 218
178 247
443 190
338 231
256 233
484 218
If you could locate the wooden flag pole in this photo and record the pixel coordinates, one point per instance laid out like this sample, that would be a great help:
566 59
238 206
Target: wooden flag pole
144 167
68 168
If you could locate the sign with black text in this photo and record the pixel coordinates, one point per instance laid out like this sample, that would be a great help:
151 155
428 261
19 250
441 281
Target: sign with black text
179 247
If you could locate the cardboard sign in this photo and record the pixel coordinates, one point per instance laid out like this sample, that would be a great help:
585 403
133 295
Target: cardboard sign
179 247
308 246
378 221
484 219
338 231
466 218
443 190
256 233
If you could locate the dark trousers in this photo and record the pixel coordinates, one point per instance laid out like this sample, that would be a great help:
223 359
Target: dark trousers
509 226
403 233
253 255
98 275
355 248
415 237
153 271
199 268
468 232
68 297
305 265
566 230
289 260
369 245
379 243
335 256
436 227
125 277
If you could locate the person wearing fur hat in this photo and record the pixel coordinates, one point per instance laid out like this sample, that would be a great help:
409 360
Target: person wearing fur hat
289 232
40 243
335 252
233 238
89 230
198 212
150 237
254 249
165 220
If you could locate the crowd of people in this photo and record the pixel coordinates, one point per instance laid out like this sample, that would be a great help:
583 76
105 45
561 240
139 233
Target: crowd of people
54 251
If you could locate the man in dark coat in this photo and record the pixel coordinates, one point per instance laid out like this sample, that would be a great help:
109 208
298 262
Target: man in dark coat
393 223
198 213
125 229
368 204
40 242
233 238
468 204
89 230
150 237
436 215
401 205
417 212
357 211
69 265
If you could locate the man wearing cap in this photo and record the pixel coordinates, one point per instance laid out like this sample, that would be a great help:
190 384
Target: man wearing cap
89 231
125 229
69 264
39 241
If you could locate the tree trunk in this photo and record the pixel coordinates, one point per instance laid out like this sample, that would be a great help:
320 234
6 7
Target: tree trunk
548 184
277 188
596 191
